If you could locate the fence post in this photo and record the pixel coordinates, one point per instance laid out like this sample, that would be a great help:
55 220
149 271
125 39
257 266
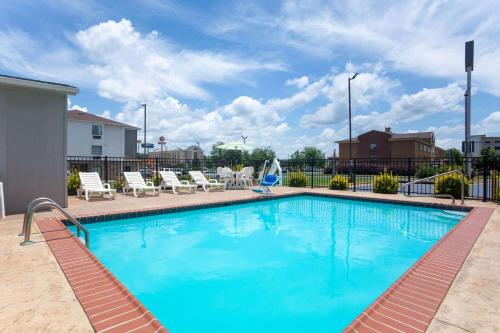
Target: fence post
312 174
485 178
156 168
354 176
106 169
408 170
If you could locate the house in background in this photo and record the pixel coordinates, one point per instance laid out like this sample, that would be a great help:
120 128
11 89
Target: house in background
483 141
190 153
33 117
92 135
386 144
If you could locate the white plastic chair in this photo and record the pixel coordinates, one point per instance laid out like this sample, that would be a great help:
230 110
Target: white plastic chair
206 184
136 183
170 180
90 183
246 176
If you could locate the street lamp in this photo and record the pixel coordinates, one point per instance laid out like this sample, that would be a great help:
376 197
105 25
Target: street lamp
145 141
350 124
244 139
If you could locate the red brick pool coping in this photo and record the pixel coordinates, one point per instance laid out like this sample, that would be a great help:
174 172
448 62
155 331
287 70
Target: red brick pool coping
412 301
109 306
407 306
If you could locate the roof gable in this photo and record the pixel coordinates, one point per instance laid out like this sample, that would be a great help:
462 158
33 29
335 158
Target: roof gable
78 115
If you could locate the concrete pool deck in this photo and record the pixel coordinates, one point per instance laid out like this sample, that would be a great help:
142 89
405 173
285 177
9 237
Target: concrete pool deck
36 295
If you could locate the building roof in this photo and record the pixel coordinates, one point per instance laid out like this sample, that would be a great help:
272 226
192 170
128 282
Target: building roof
38 84
415 135
89 117
397 136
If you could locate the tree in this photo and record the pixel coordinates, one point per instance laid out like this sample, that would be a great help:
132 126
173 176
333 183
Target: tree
488 153
262 154
310 156
454 156
313 153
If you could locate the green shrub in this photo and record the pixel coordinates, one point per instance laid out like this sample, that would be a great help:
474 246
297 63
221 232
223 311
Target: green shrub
425 171
451 184
429 170
118 184
385 183
297 179
339 182
73 181
496 186
156 179
185 177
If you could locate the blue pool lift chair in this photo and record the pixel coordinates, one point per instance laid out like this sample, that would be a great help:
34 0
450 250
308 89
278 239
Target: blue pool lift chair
266 184
271 179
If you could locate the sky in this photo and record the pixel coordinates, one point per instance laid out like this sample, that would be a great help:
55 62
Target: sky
275 71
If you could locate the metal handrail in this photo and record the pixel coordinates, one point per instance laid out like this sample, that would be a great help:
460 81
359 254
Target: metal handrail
48 203
438 195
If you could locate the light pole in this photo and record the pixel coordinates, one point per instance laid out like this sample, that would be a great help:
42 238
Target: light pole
145 141
350 124
469 67
244 139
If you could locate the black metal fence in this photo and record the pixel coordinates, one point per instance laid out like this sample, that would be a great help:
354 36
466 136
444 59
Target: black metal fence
483 179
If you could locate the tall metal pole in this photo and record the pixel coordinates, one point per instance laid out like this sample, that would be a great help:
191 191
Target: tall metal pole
350 124
350 127
469 67
145 141
468 121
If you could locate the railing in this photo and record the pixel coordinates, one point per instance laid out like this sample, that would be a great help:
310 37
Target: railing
483 180
408 193
41 203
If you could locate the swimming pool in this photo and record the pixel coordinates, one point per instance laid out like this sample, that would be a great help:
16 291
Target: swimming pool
297 264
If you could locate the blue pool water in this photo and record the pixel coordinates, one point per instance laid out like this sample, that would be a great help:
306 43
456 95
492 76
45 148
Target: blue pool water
298 264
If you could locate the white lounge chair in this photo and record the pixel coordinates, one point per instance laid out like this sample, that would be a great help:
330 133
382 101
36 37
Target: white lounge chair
90 183
136 183
207 185
170 180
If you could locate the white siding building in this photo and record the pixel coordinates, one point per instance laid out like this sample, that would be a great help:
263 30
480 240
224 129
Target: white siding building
91 135
483 141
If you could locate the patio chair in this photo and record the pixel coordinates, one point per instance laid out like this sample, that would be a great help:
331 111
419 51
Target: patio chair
90 183
136 183
169 179
246 176
207 185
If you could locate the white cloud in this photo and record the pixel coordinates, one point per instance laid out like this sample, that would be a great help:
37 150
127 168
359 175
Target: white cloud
20 53
368 87
490 125
76 107
106 114
135 67
183 126
422 37
299 82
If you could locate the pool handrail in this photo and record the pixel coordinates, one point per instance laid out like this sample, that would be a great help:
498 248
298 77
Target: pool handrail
438 195
39 203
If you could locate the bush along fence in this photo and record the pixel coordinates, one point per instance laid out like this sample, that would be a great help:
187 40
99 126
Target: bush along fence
374 174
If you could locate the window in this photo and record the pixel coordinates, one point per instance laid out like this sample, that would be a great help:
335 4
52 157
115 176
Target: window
96 131
486 142
97 150
373 150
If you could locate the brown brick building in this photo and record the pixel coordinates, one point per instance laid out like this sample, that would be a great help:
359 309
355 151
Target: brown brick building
386 144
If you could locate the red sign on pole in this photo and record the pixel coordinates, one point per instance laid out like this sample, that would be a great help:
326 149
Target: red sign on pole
162 138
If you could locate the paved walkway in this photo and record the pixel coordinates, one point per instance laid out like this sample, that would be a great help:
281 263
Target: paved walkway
35 295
